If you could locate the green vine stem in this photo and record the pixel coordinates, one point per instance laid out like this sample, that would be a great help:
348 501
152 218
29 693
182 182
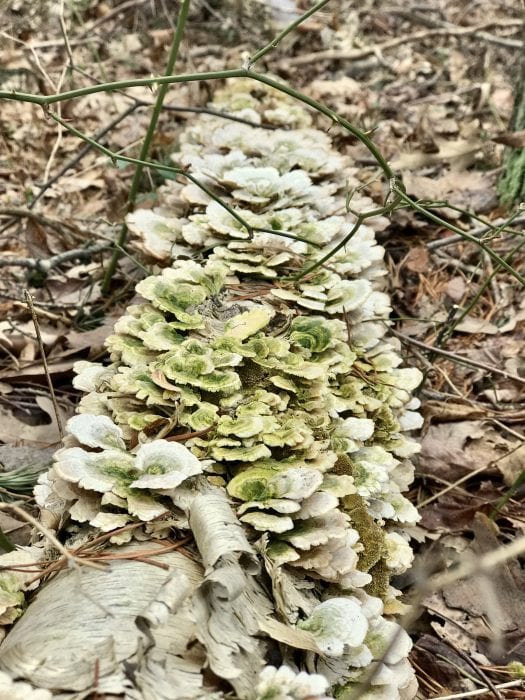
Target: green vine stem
46 100
277 40
395 185
161 167
464 234
360 219
146 144
466 311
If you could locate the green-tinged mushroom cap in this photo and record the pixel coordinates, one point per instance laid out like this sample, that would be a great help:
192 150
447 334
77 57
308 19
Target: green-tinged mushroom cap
313 334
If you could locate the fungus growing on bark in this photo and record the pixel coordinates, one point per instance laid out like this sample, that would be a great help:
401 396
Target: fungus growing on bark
258 415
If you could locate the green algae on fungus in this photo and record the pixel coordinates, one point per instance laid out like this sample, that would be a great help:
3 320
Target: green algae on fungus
133 483
336 623
17 575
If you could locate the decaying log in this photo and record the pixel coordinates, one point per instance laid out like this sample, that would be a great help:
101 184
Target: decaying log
241 463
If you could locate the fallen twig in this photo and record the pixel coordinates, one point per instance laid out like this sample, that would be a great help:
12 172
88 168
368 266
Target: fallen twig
476 668
432 23
81 153
47 264
479 691
29 301
112 13
66 554
339 55
477 233
54 224
459 358
53 43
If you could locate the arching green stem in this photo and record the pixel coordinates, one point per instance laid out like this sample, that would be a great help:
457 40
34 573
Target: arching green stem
146 144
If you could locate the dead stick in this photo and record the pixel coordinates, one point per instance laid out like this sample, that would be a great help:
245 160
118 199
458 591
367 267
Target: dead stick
29 300
47 264
459 358
70 558
356 54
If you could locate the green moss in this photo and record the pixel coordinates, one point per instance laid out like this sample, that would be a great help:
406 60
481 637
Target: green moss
345 692
252 375
370 534
380 574
344 465
385 426
516 669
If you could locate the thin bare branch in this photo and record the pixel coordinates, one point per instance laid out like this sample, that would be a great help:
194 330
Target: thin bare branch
29 300
461 359
356 54
47 264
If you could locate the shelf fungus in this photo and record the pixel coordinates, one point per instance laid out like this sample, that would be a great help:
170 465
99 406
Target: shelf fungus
240 463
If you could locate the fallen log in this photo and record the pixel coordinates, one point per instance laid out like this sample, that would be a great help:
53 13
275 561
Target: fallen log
238 469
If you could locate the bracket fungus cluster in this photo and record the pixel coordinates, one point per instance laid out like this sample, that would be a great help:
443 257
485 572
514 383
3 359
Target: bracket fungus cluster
260 415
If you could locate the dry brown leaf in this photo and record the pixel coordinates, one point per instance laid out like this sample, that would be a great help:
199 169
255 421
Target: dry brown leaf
438 662
461 152
454 625
455 510
456 288
438 412
462 633
502 395
17 531
15 432
481 325
466 189
511 324
94 339
28 352
495 598
343 87
36 369
418 259
514 139
512 465
474 325
477 325
16 336
447 449
15 457
502 99
75 184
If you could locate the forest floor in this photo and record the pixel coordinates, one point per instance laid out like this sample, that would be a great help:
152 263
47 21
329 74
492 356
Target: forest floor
433 84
